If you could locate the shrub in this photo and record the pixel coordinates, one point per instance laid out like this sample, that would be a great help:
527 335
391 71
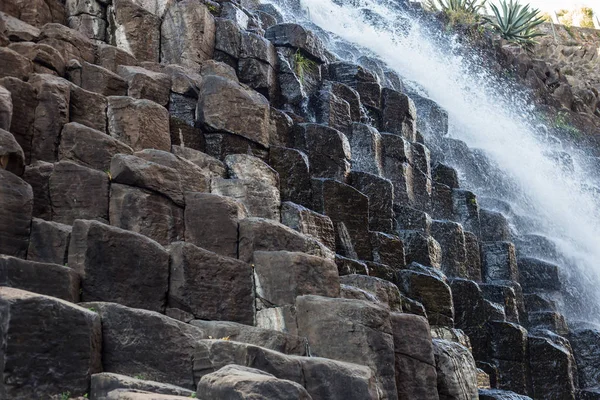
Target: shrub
458 12
517 23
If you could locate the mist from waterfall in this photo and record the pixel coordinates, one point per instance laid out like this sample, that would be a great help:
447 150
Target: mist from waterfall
489 115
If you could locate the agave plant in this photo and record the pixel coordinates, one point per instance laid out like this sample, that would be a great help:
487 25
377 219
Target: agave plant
517 23
466 6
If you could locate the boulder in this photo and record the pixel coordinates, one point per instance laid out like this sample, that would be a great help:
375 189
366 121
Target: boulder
133 343
416 375
335 328
18 30
273 340
145 84
211 222
456 370
349 212
70 43
106 382
6 108
187 34
244 166
258 234
388 250
141 124
110 57
380 193
119 265
308 222
43 278
12 157
38 176
24 103
49 242
89 147
497 394
45 59
328 151
293 168
322 378
146 212
429 287
421 249
58 356
78 192
210 286
214 167
90 26
366 145
238 382
398 114
451 237
14 64
381 291
498 260
135 30
281 276
226 106
260 199
16 207
99 80
135 171
51 113
193 178
296 36
88 108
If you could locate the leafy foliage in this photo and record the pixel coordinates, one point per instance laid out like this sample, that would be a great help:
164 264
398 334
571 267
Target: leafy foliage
459 12
516 22
303 65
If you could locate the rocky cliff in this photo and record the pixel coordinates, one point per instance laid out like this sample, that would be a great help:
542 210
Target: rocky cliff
199 199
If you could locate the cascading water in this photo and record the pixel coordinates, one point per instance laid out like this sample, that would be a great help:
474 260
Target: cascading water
554 201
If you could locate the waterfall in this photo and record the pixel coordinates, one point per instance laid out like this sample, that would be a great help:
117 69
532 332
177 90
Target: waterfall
550 198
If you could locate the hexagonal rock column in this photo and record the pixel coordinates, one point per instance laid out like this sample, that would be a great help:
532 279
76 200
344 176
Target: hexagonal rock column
134 29
16 207
119 265
210 286
134 342
339 328
58 356
457 374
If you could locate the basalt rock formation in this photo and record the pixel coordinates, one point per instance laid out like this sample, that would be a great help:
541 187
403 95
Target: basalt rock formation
199 199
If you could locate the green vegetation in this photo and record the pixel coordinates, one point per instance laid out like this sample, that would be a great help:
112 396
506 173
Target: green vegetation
193 395
517 23
212 9
587 20
561 122
140 377
65 396
459 12
303 65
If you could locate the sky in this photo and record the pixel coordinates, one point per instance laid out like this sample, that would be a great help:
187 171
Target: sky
549 5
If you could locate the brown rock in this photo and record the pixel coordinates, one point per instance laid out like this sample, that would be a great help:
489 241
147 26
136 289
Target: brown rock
78 192
14 64
145 84
45 59
102 81
18 30
12 158
134 29
187 34
110 57
38 176
308 222
24 103
16 206
226 106
89 147
146 212
88 108
118 265
6 108
142 124
210 286
260 199
58 356
48 279
49 242
211 222
70 43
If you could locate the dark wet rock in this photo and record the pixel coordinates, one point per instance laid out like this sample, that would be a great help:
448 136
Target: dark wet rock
451 238
398 114
498 261
375 289
585 341
49 242
119 265
358 78
553 372
105 382
48 279
538 275
57 357
347 266
212 222
210 286
380 193
494 226
366 145
421 248
388 250
345 206
151 356
309 223
324 323
327 149
296 36
16 199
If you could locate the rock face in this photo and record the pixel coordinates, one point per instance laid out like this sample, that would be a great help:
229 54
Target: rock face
58 357
244 213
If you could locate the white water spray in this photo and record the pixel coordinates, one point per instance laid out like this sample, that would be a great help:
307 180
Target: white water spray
486 118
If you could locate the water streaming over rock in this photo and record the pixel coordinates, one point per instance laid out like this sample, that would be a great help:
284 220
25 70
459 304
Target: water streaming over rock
543 186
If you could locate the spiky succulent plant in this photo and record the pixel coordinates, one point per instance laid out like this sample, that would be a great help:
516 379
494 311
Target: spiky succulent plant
516 22
466 6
